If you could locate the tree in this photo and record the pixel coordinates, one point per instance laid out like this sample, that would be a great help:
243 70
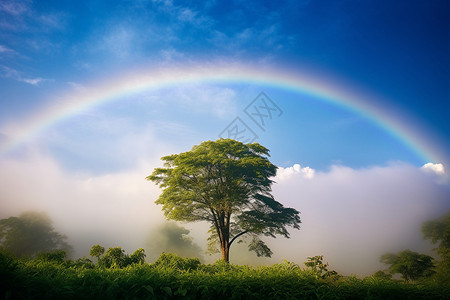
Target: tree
117 258
97 251
172 238
137 257
411 265
226 183
381 275
316 265
438 231
114 257
29 234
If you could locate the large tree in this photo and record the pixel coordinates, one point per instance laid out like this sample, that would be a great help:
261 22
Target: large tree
228 184
31 233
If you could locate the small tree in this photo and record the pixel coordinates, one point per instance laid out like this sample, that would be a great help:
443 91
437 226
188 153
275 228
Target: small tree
97 251
319 268
228 184
411 265
114 257
138 257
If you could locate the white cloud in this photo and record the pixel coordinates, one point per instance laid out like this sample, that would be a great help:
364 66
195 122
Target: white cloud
284 173
437 169
352 216
32 81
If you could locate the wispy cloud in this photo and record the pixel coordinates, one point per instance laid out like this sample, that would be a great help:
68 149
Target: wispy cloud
16 75
32 81
120 41
15 8
6 50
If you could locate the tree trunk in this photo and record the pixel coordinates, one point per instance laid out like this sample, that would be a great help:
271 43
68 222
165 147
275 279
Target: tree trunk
225 248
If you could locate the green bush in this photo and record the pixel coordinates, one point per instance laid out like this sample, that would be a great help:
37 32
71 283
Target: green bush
173 261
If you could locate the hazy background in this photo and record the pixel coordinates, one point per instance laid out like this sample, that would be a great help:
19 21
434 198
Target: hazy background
351 216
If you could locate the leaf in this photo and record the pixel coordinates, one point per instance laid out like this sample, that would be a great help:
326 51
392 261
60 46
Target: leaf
149 289
168 290
181 292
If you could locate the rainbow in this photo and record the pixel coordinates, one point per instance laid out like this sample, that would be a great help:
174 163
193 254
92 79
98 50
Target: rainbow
331 91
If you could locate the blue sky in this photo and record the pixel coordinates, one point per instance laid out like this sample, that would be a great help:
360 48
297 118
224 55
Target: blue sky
395 51
393 55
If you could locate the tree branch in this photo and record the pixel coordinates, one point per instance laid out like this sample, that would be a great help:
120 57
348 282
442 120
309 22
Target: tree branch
238 235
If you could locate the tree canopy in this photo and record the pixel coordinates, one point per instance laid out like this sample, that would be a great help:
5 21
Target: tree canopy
31 233
228 184
410 264
438 231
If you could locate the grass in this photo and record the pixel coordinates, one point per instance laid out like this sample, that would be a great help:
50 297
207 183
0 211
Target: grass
172 277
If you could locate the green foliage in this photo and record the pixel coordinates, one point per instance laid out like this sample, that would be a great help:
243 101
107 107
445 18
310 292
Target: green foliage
30 233
82 263
34 279
114 257
97 251
381 275
438 231
137 257
226 183
117 258
58 256
319 269
411 265
173 261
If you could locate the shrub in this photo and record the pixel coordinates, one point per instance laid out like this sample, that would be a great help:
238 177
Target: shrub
57 256
173 261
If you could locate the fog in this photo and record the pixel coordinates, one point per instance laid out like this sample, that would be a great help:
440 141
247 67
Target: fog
351 216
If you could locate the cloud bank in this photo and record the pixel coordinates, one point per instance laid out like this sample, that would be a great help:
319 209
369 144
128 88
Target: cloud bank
351 216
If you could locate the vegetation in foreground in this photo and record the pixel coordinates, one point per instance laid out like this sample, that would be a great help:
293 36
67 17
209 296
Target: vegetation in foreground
50 276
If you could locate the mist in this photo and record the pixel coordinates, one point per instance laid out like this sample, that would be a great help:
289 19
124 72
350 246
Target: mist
170 237
351 216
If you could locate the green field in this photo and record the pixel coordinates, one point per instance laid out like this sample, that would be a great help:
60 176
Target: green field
173 277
